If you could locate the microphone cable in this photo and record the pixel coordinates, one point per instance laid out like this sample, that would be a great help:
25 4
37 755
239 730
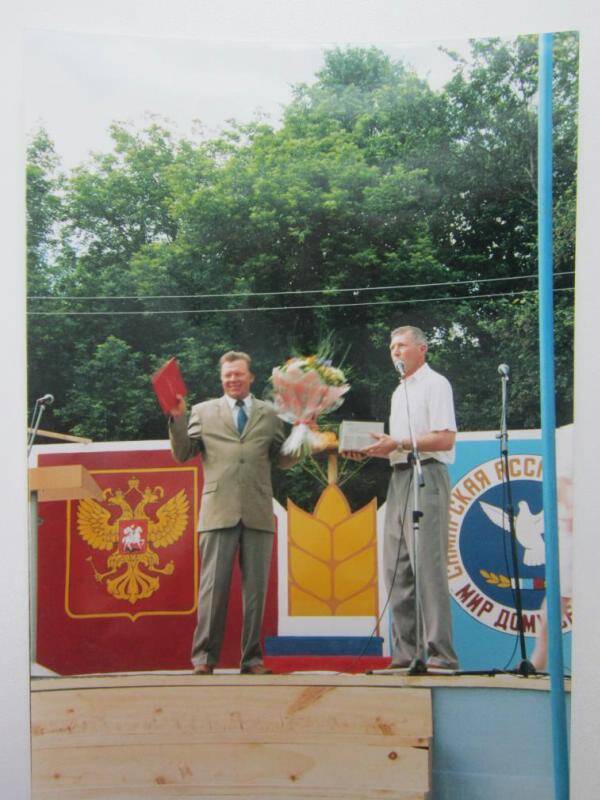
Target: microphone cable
392 582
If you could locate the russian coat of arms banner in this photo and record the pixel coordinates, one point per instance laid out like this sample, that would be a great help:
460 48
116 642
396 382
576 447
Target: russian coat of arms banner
117 577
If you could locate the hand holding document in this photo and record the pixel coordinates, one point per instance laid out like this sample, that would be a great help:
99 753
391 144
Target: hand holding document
170 388
355 436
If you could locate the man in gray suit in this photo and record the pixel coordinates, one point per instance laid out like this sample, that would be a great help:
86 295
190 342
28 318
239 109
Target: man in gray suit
239 438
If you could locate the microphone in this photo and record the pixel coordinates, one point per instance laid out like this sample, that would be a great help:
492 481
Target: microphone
400 368
46 400
504 370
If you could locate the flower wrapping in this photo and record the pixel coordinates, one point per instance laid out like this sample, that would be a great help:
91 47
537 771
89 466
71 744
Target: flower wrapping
303 389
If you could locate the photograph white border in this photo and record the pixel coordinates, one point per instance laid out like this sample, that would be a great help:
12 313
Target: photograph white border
323 21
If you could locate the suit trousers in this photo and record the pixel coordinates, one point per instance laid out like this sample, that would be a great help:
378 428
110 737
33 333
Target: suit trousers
432 555
218 550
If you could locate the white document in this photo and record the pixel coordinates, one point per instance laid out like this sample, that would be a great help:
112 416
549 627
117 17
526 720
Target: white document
357 435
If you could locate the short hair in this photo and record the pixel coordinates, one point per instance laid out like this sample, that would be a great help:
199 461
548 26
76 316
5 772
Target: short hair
417 334
235 355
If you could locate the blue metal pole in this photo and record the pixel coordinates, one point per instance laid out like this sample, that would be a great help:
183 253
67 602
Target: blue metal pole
546 327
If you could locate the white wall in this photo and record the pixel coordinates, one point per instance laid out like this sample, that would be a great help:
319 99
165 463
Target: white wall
585 708
315 21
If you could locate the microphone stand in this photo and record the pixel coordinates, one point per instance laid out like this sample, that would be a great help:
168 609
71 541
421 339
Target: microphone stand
417 665
525 667
36 418
34 522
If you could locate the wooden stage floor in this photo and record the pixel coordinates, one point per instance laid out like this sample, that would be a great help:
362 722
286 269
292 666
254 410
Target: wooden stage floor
301 735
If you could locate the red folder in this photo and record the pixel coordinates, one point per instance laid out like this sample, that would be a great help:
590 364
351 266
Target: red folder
168 383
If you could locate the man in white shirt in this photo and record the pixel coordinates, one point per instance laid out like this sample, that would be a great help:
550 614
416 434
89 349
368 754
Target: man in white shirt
421 405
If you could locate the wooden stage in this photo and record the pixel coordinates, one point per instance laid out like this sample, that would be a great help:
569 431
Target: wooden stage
302 735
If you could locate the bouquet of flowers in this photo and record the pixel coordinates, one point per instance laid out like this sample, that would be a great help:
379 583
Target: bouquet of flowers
304 388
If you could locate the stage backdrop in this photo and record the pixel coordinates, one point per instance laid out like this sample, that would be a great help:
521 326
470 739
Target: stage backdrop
480 565
118 579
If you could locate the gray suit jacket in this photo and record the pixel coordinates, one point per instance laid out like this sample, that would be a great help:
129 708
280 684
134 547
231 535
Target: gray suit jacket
237 469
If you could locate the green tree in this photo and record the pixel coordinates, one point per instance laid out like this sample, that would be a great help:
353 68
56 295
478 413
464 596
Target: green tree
45 216
112 398
43 186
488 222
374 197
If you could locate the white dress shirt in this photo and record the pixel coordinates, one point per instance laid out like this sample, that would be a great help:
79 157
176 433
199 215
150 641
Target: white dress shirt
430 408
247 401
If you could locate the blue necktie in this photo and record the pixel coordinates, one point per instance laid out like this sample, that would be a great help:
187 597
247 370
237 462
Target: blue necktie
242 417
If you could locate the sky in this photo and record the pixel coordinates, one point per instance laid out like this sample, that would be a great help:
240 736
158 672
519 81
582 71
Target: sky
75 85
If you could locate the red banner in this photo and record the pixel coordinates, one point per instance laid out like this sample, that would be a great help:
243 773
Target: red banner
118 578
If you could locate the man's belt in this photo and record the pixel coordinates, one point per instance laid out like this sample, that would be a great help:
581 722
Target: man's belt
404 465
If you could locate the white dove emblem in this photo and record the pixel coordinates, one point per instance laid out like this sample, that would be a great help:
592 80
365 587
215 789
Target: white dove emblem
528 530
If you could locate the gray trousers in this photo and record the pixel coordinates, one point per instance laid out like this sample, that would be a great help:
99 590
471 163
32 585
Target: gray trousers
218 551
432 555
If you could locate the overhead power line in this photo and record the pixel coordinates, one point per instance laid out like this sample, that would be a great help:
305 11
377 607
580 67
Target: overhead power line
285 308
354 290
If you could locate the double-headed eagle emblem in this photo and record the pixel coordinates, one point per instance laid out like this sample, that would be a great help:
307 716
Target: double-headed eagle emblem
132 535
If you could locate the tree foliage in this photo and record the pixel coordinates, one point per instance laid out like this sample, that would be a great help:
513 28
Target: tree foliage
377 202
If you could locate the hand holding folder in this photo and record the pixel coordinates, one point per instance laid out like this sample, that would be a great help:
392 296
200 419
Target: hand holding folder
169 386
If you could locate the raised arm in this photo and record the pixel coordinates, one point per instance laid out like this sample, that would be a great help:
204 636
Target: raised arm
185 434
